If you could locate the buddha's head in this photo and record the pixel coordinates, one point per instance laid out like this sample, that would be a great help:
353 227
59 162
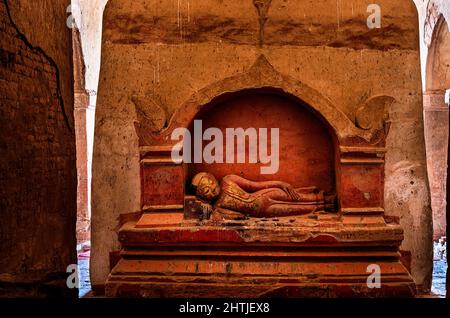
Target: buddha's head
206 186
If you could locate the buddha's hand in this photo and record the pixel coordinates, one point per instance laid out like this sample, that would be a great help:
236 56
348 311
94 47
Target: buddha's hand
290 191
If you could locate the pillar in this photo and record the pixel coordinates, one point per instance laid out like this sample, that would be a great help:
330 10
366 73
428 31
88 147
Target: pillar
436 120
82 99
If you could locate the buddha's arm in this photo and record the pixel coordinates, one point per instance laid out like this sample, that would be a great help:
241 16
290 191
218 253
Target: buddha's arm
308 190
252 186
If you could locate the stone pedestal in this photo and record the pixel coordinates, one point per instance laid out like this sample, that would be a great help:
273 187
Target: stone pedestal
315 256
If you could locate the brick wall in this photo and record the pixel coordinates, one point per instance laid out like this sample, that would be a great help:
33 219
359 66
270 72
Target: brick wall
37 169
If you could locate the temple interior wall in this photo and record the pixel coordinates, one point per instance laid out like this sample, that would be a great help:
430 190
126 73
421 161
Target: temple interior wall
191 47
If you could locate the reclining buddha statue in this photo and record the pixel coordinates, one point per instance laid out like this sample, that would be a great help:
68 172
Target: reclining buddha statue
236 196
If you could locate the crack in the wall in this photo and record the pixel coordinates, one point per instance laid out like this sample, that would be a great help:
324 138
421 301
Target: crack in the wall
52 62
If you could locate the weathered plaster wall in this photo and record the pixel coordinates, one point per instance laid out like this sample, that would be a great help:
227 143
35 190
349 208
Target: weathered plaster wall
37 146
167 51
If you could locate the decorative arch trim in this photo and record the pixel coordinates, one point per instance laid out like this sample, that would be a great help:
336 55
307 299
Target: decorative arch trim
262 75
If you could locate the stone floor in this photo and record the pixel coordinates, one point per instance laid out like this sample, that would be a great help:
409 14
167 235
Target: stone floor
440 269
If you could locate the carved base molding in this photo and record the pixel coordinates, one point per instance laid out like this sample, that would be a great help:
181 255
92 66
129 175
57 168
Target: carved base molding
292 257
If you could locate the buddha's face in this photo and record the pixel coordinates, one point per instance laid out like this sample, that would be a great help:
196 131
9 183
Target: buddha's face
207 187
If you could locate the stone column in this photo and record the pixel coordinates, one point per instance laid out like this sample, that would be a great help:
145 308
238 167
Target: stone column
81 101
83 219
436 120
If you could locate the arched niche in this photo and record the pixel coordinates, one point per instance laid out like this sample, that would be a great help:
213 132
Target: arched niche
306 145
346 159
